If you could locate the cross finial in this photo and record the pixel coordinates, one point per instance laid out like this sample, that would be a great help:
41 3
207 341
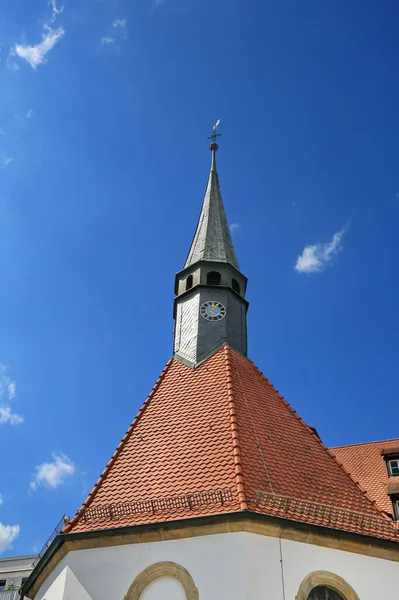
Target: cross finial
215 133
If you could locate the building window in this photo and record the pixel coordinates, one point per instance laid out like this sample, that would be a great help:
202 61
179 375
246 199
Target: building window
189 282
2 584
213 278
393 467
236 286
395 502
324 593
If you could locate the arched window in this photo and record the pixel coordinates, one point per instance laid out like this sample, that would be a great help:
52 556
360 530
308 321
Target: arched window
213 278
162 570
189 282
323 585
236 286
322 592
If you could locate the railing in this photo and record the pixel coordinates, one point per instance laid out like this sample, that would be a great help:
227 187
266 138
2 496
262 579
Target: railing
153 505
59 527
9 594
325 515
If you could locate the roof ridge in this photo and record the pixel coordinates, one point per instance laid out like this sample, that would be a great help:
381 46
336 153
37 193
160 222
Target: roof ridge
234 431
119 448
365 443
318 440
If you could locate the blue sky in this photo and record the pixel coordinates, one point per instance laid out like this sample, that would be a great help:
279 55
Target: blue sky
105 107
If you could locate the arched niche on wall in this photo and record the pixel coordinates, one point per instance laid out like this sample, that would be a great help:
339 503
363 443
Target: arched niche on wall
162 569
329 580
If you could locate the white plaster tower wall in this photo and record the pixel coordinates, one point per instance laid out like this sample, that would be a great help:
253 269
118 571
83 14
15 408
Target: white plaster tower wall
234 566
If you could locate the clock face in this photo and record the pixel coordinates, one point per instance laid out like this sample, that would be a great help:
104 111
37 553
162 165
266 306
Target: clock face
213 311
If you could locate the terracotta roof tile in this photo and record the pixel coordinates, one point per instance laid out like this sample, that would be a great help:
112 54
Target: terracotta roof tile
219 439
366 465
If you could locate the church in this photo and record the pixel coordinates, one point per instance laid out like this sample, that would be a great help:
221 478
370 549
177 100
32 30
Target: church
219 490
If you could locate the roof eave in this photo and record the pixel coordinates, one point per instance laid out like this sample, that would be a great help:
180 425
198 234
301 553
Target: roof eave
62 538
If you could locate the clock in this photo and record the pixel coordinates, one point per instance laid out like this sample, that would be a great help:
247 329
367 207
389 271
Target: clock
213 311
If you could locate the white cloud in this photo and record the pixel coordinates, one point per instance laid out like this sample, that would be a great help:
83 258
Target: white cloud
55 10
111 39
8 387
36 55
233 227
315 258
7 416
7 162
1 499
2 132
8 390
52 474
119 23
8 533
12 389
28 115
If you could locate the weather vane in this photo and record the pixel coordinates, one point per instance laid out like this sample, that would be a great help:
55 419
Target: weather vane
215 133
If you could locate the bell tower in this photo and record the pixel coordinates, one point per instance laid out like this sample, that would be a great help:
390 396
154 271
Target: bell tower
210 306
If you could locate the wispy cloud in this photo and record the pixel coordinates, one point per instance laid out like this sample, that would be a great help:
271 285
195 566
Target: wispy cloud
7 162
112 35
52 474
316 257
55 10
27 115
233 227
8 390
1 499
8 533
7 416
119 23
2 132
7 385
36 55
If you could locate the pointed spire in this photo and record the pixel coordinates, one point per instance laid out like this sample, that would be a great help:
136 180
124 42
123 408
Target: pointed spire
212 240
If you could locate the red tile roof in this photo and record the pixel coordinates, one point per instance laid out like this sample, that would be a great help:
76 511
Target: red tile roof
220 439
367 465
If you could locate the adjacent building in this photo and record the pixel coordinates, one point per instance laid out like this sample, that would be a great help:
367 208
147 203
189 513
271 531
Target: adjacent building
14 571
375 465
219 490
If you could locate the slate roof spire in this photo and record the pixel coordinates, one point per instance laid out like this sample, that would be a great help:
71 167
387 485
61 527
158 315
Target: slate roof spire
212 240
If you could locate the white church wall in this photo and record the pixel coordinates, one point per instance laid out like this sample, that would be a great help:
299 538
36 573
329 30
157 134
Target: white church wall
236 566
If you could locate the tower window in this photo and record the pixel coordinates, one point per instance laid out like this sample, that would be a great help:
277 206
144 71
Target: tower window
213 278
236 286
189 282
393 467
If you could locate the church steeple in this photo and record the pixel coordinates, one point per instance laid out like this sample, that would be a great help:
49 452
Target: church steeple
212 239
210 306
